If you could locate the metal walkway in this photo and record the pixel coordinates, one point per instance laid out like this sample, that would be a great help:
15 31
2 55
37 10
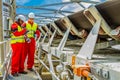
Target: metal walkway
32 75
29 76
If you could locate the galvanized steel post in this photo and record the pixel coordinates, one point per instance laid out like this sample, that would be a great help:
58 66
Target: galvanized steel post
1 33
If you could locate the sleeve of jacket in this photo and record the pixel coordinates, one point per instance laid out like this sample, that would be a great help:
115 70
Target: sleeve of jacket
23 25
14 29
37 32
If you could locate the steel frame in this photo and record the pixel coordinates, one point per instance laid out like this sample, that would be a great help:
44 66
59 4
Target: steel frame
43 7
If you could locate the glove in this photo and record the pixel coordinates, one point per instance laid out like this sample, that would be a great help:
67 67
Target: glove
28 40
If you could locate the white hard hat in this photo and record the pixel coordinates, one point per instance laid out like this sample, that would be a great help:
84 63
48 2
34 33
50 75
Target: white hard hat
21 17
31 15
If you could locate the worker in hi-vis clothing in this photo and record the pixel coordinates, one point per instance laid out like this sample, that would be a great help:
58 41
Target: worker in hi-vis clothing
18 46
33 34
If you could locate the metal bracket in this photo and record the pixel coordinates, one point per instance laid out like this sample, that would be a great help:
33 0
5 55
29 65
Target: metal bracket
46 47
52 50
73 30
87 49
52 37
42 30
43 40
55 26
48 30
64 39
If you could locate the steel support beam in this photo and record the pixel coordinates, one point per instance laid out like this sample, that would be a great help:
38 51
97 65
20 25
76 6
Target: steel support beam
64 39
43 40
1 37
56 27
52 37
55 4
48 30
42 16
73 30
1 33
87 49
43 32
41 8
93 14
82 5
86 1
14 9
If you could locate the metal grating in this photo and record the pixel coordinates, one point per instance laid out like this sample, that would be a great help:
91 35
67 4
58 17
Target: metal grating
46 76
29 76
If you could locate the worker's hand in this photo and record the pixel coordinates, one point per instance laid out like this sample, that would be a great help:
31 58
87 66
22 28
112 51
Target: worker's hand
28 40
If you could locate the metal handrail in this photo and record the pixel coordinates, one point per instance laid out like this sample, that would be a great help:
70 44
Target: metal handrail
43 62
4 41
6 62
50 70
37 46
37 42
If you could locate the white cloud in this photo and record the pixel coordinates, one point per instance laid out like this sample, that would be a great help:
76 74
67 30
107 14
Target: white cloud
72 7
86 5
96 0
65 0
21 2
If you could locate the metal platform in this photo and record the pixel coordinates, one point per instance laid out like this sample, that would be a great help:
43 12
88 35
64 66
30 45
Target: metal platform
29 76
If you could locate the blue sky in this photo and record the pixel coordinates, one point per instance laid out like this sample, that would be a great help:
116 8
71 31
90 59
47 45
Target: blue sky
35 3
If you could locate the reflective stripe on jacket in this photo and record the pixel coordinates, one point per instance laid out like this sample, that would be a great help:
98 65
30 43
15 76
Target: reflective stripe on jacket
32 29
17 39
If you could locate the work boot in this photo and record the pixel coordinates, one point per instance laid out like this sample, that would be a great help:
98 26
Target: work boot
30 69
15 74
23 72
